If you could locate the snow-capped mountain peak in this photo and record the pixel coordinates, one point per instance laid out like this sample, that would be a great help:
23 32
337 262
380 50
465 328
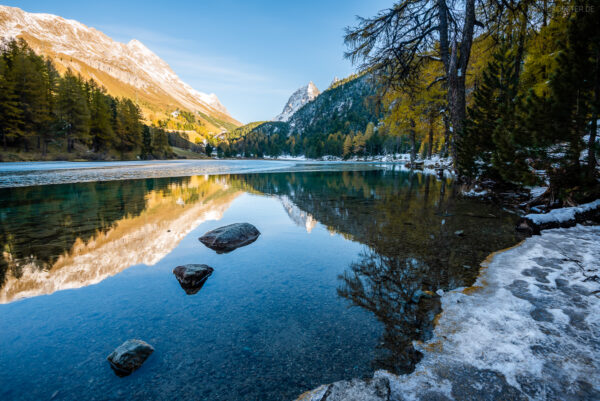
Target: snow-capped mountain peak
124 69
298 99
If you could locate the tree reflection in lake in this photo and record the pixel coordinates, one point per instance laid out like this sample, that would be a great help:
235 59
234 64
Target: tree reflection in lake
420 235
390 287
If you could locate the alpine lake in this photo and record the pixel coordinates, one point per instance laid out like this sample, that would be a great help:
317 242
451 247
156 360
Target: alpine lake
343 278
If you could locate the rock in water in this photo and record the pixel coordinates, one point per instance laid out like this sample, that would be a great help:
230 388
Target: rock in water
377 389
192 277
227 238
129 356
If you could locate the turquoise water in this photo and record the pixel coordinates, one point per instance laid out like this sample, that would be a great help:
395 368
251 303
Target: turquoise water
338 284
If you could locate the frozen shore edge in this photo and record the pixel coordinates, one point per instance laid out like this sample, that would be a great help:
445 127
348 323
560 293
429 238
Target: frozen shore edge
529 328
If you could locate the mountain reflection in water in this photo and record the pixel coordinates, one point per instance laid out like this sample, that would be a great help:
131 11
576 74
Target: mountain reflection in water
271 321
70 236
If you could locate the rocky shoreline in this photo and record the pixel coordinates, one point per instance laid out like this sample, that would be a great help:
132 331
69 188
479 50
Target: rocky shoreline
527 329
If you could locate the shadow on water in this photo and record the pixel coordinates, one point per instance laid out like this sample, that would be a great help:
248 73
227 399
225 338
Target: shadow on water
421 237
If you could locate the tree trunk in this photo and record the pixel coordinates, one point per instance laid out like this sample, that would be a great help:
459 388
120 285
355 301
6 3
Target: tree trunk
446 135
413 150
443 30
457 69
430 147
594 126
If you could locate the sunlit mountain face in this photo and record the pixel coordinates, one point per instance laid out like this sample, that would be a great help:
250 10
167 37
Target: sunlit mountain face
124 69
95 230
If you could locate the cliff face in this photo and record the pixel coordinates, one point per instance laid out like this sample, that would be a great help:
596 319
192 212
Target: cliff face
298 99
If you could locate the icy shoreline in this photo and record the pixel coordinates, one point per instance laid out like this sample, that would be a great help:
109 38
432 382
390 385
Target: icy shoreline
529 328
22 174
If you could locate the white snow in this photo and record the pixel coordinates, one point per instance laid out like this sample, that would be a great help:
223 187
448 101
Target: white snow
132 63
563 214
475 194
537 191
528 329
298 99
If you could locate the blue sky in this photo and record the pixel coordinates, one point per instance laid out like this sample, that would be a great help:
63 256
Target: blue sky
252 54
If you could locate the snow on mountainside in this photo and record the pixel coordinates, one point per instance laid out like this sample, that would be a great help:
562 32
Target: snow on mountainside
297 100
124 69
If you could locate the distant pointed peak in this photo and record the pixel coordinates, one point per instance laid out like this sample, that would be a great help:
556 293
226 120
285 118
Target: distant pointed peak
298 99
312 90
136 43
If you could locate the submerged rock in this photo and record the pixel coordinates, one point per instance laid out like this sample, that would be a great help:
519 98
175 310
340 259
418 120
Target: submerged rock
192 277
227 238
376 389
129 356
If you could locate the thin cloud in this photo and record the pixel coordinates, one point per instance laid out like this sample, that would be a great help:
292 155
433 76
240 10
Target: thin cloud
126 33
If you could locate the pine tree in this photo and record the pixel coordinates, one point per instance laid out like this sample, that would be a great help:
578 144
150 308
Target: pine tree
129 125
101 127
28 71
73 113
495 139
146 143
566 111
47 129
10 113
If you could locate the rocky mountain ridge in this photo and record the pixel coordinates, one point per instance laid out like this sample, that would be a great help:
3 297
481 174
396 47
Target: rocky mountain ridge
131 70
298 99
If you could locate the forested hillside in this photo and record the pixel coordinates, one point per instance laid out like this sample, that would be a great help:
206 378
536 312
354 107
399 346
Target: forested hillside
513 88
339 122
42 111
510 91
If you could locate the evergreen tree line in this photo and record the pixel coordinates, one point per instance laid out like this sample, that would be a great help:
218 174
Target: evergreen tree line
344 144
42 110
535 107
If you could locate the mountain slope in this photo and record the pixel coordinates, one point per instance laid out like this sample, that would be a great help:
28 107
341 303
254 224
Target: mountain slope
298 99
345 106
129 70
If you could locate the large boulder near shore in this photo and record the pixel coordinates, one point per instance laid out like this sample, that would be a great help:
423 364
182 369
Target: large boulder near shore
192 277
129 356
227 238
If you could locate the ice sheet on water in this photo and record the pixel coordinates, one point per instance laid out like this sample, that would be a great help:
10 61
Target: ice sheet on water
23 174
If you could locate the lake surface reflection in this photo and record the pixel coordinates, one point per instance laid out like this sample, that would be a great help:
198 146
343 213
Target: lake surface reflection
341 281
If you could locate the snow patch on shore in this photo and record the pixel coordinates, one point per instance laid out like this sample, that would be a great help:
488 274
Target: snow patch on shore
528 329
563 214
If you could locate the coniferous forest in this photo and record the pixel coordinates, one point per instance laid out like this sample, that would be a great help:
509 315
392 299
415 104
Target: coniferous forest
45 112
